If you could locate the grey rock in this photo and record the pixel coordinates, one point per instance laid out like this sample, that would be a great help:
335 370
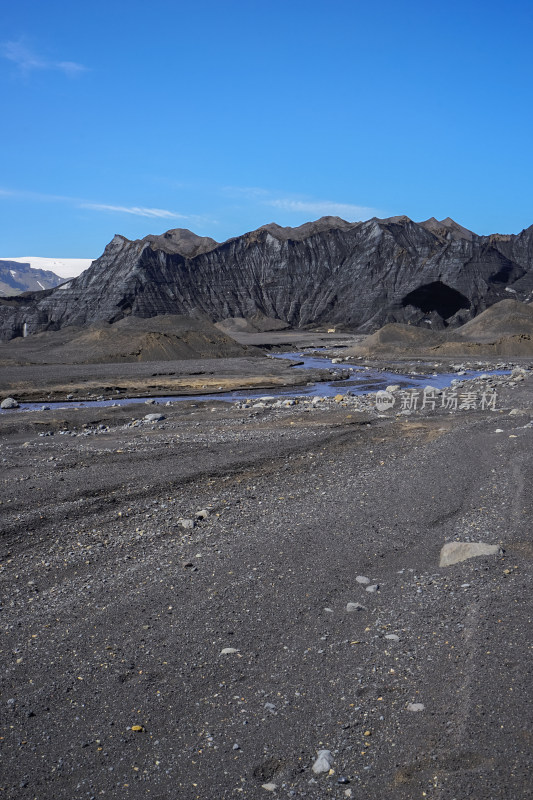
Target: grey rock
454 552
154 417
269 787
351 607
323 762
9 402
228 651
186 523
203 514
373 588
362 579
392 637
415 706
150 402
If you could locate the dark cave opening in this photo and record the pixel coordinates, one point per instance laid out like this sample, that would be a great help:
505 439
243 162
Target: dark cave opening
436 296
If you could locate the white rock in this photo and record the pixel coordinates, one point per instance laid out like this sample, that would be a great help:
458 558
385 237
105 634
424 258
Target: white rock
362 579
228 651
154 417
415 706
373 588
454 552
393 387
392 636
323 762
269 787
9 402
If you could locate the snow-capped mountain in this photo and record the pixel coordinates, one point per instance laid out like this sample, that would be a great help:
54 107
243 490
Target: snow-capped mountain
63 267
17 277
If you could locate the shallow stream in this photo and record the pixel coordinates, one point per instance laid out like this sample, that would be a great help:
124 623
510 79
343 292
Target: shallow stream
362 380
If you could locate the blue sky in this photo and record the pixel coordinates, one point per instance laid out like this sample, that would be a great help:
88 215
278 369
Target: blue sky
136 117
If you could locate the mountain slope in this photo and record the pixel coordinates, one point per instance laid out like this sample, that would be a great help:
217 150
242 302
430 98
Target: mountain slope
360 275
17 277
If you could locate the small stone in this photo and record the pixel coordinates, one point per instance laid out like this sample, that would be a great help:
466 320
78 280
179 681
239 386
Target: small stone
339 398
137 728
9 402
203 514
351 607
393 388
154 417
186 523
269 787
373 588
392 637
454 552
362 579
415 706
323 762
228 651
150 402
236 746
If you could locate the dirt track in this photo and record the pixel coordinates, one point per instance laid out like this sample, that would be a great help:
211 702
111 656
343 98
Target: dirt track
115 616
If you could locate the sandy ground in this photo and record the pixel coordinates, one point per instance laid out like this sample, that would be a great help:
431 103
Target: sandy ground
116 616
151 379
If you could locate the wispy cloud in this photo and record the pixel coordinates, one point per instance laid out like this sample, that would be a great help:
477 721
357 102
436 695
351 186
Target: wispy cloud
322 208
246 192
138 211
27 60
77 202
299 204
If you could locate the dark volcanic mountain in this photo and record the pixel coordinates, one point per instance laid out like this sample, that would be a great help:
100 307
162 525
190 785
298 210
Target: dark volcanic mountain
358 275
17 277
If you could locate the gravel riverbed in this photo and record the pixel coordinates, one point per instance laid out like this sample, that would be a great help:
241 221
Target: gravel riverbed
196 606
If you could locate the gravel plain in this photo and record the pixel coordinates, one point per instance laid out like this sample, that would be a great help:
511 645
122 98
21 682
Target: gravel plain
196 607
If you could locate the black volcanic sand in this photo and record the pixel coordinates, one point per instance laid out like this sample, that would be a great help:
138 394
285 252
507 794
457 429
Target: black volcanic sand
115 616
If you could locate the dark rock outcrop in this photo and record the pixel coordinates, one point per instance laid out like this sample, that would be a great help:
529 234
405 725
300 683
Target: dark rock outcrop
359 275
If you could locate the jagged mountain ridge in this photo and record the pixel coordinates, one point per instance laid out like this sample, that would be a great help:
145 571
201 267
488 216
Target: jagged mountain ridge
360 275
17 277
